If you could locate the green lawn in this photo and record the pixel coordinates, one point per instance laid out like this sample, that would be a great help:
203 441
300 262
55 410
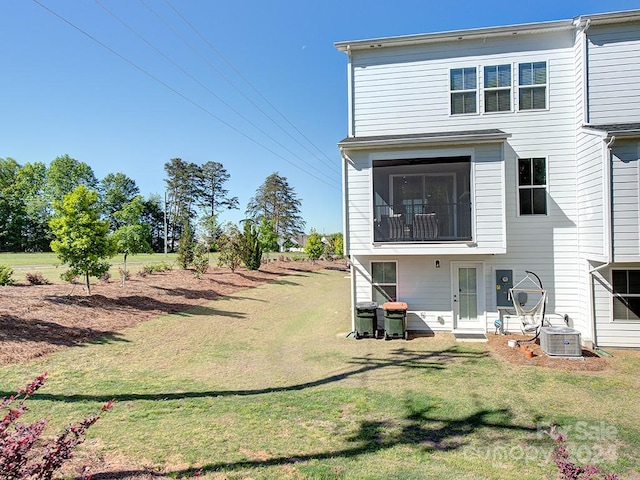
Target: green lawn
49 266
264 384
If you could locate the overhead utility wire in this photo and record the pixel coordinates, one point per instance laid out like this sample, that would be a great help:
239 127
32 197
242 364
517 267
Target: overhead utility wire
212 93
169 87
330 163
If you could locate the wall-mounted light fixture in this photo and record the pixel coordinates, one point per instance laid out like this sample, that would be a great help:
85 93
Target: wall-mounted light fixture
437 263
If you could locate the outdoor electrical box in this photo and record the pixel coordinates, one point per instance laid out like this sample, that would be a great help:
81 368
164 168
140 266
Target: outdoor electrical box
504 281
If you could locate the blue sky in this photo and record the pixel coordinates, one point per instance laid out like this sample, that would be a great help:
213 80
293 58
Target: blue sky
133 110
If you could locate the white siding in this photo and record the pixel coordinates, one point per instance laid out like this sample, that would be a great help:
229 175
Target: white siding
625 179
610 333
614 74
406 90
489 199
591 189
359 202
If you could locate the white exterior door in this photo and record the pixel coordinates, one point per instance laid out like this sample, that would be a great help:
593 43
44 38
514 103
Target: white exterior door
468 303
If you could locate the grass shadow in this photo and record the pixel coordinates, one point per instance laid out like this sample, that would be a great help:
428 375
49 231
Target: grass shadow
418 428
401 358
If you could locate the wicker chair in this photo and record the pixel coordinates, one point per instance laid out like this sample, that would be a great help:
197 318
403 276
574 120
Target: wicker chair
425 226
396 227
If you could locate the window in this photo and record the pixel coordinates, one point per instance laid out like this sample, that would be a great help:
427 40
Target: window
497 88
463 90
532 83
626 294
383 281
532 186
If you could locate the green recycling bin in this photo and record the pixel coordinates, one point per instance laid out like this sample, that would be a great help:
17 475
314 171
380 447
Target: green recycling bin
395 320
366 319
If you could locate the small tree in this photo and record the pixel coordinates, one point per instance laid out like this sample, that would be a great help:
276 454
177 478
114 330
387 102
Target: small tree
132 237
81 239
268 236
314 247
200 259
210 230
187 244
251 247
337 241
230 247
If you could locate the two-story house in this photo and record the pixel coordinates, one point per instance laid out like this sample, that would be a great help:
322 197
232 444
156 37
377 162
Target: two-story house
473 156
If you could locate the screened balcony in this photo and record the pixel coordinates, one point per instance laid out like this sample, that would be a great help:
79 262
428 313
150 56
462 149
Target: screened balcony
422 200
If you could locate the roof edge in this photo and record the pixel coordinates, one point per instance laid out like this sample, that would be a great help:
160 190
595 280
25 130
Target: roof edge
413 140
486 32
468 34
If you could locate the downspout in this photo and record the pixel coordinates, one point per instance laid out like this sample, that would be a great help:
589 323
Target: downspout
350 105
608 235
345 234
585 69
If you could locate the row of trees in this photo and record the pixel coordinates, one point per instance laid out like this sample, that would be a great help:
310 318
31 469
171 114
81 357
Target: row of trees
28 193
196 196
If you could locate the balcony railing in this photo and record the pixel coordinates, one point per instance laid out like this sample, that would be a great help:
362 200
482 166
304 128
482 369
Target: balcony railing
414 221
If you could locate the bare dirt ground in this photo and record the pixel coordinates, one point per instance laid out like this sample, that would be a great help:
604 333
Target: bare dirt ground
36 320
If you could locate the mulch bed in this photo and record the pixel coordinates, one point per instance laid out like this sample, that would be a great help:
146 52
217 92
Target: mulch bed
36 320
589 362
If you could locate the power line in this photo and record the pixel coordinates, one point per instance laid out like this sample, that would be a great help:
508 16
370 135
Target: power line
330 163
184 97
212 93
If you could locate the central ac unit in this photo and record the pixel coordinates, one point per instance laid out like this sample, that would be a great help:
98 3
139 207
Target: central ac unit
560 341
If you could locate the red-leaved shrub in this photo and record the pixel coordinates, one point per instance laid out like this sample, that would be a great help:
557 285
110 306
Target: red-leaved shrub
23 453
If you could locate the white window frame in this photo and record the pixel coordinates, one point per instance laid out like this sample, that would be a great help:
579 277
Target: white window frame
615 295
531 187
533 86
486 89
375 284
467 90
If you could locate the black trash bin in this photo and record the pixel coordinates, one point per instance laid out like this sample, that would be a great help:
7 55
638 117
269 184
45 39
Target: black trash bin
366 319
395 320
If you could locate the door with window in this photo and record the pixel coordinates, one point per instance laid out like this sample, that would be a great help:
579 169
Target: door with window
468 300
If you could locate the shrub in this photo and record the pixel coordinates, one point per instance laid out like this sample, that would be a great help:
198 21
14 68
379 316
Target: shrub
36 279
105 277
186 247
230 247
125 274
155 268
251 247
314 247
200 260
23 453
6 274
69 276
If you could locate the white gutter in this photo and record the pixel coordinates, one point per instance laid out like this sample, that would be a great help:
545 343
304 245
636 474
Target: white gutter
606 176
608 238
345 235
413 141
583 27
456 35
488 32
350 100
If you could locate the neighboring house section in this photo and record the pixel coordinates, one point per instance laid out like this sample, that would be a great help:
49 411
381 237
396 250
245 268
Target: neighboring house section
479 154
